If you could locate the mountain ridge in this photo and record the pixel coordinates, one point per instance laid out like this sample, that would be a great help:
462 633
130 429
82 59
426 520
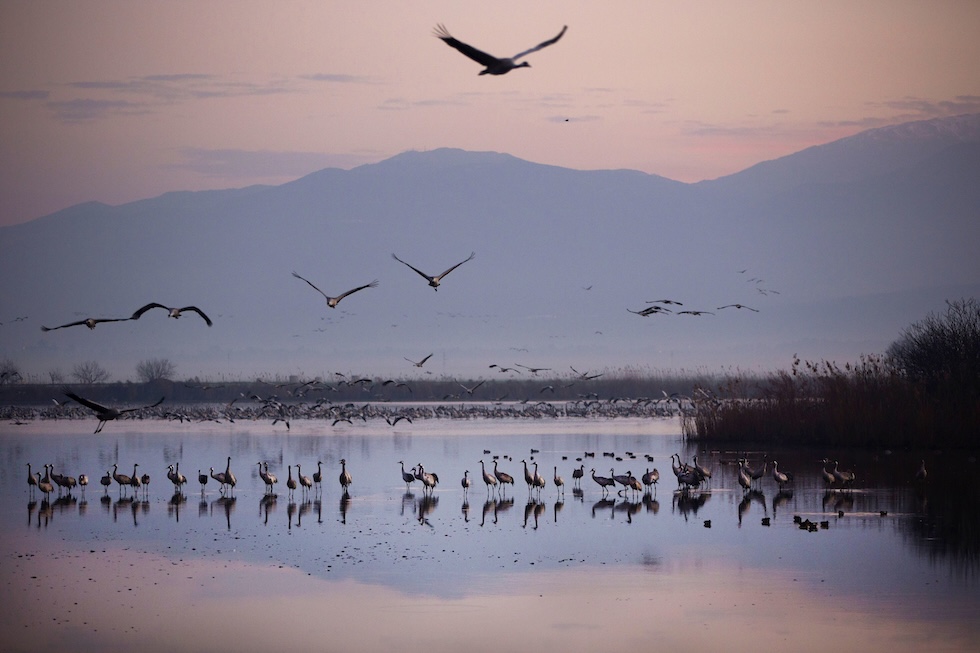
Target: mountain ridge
561 255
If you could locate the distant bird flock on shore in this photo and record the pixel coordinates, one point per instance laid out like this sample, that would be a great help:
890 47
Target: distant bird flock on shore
632 490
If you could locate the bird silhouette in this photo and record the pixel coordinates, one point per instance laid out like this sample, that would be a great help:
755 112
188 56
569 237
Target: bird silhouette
493 65
304 481
333 301
104 413
488 478
421 362
171 312
408 477
345 477
267 478
90 322
436 280
738 306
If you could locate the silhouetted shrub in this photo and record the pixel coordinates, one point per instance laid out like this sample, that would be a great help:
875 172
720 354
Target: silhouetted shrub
942 352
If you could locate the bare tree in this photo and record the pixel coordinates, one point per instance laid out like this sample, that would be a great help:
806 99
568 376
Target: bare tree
9 372
56 376
89 372
942 352
154 369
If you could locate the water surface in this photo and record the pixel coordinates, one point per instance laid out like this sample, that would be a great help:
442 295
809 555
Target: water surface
386 568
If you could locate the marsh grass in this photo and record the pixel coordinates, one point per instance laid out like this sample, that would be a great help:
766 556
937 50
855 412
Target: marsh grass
866 404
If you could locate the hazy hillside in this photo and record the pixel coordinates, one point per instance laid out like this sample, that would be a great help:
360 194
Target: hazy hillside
841 246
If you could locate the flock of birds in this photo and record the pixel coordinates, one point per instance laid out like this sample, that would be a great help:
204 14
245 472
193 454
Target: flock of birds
687 498
689 476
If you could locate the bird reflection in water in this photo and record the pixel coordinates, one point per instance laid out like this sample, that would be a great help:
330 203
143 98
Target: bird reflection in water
45 512
122 504
603 504
781 498
226 504
488 506
559 504
747 499
304 508
267 504
408 500
838 501
344 505
174 503
688 503
629 507
465 509
64 503
426 505
651 504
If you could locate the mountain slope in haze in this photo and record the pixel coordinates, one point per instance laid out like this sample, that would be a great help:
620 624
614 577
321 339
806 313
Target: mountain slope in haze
842 246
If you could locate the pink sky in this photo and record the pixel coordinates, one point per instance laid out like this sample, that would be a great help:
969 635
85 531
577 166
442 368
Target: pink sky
118 100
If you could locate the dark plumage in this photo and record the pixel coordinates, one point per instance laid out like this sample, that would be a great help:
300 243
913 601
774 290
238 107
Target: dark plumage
333 301
90 322
493 65
172 312
436 280
104 413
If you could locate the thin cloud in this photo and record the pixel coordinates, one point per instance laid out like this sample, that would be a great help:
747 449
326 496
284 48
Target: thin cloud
339 78
401 104
909 109
25 95
86 109
171 88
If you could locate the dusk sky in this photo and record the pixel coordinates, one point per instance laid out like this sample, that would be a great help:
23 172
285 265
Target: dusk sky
117 100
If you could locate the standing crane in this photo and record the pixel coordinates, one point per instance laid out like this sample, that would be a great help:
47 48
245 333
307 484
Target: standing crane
502 477
489 479
559 482
345 477
408 477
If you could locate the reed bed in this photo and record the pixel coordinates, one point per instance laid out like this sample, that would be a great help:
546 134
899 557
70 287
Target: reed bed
866 404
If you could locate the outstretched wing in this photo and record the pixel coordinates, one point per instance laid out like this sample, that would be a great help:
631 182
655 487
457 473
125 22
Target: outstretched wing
420 273
311 285
543 44
195 309
456 266
63 326
479 56
86 322
159 401
99 408
130 410
373 284
139 312
422 362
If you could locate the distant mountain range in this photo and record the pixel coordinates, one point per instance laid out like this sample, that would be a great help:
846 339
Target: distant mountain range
838 248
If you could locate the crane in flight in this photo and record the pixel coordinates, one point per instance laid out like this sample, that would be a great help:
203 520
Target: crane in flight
105 413
90 322
493 65
436 280
172 312
333 301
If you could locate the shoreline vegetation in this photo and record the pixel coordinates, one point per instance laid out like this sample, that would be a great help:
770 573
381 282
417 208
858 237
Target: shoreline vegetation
924 393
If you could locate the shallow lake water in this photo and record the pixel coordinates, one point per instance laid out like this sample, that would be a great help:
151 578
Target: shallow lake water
384 568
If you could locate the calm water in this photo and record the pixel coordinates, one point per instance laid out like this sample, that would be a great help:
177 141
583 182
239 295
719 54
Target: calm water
386 569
